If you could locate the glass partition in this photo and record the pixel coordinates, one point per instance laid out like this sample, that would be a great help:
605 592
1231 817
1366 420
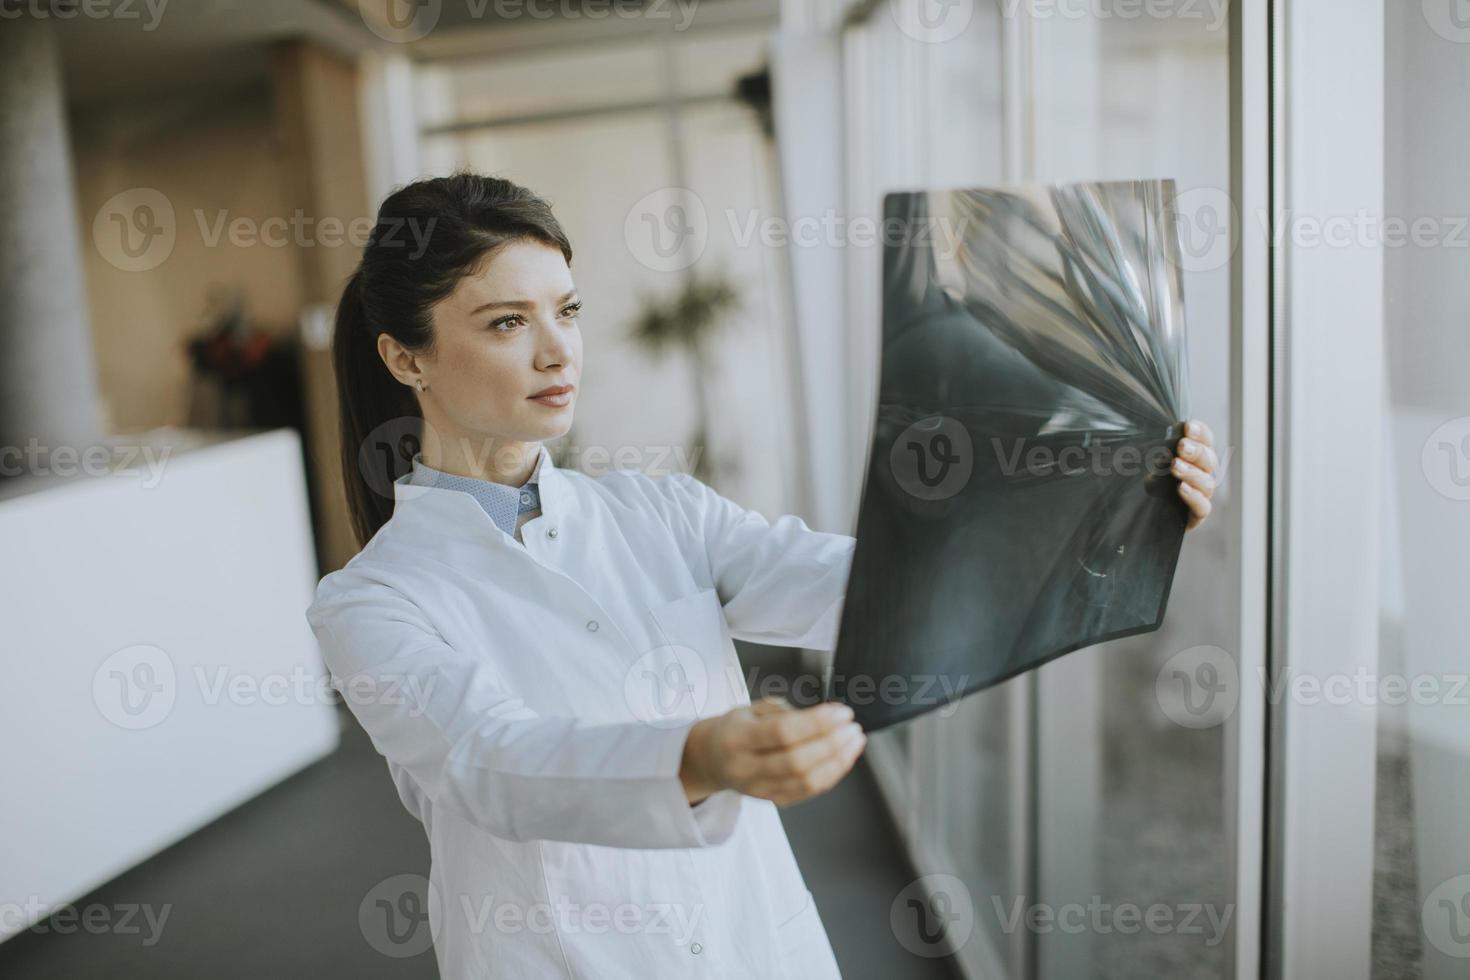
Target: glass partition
1058 809
1421 881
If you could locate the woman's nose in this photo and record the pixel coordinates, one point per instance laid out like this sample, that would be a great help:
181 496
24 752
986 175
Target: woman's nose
556 346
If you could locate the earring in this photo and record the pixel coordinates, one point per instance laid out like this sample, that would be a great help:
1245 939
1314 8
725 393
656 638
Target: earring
420 383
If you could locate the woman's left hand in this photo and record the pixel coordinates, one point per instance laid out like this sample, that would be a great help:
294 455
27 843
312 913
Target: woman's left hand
1195 469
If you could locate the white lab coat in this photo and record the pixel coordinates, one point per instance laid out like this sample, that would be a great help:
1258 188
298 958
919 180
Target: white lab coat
532 701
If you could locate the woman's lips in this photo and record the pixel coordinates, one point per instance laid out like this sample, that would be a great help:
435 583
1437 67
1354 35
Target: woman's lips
555 401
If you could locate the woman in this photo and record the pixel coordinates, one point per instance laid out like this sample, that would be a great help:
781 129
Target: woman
544 658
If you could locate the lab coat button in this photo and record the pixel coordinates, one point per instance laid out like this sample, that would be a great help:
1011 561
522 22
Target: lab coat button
696 949
592 625
551 532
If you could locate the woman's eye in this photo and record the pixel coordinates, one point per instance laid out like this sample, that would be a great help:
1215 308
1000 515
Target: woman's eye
505 323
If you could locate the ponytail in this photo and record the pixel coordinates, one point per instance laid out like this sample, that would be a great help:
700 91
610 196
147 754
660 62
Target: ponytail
369 398
428 235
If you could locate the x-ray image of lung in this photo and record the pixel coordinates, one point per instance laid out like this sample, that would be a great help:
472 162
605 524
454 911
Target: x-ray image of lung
1017 502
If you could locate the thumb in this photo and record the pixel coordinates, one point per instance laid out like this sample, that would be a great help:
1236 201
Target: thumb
769 705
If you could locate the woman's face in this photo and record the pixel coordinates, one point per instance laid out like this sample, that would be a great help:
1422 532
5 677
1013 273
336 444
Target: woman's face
508 332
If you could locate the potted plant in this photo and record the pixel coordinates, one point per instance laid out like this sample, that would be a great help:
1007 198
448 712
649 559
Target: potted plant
688 319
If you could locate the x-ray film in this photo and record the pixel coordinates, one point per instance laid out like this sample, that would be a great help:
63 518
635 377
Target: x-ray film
1017 502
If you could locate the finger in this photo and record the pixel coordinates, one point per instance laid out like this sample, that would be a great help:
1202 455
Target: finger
1199 504
788 728
785 763
763 772
819 779
1194 476
1199 431
769 705
1199 454
1208 461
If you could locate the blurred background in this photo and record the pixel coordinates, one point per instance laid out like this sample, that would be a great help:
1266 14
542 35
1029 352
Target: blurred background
185 185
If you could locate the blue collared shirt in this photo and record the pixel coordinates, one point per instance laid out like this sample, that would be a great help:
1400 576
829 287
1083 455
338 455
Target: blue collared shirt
502 502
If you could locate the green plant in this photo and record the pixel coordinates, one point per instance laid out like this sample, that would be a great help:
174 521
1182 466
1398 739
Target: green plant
687 320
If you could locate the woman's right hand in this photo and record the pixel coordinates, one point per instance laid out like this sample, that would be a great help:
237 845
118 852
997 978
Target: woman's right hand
772 750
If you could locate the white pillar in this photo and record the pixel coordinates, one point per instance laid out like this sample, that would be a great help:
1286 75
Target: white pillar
48 382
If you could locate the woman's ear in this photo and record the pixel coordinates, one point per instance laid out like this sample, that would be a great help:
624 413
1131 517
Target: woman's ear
400 363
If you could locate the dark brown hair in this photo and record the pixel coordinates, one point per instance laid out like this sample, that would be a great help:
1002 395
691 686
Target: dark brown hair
428 235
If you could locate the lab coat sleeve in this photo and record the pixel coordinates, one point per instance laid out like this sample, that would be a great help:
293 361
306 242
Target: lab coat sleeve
781 583
473 748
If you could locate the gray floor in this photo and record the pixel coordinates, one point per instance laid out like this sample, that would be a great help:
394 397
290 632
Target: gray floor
1398 952
272 889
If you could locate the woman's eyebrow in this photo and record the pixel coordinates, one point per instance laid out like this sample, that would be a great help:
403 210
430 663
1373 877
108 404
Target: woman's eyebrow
518 304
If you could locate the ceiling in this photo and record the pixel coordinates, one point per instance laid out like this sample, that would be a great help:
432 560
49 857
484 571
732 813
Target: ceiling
191 46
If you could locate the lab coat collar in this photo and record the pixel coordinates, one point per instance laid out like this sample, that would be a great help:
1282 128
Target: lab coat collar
429 514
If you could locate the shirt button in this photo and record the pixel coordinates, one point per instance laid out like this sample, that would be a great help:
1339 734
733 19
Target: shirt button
696 949
592 626
551 532
525 498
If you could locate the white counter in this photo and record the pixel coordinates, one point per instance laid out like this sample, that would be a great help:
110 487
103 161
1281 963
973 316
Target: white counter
158 668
